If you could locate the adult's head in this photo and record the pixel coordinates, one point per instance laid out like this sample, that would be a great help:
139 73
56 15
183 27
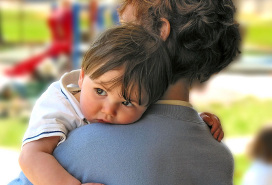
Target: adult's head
201 35
129 69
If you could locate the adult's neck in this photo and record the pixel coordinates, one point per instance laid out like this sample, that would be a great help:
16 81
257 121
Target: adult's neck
178 91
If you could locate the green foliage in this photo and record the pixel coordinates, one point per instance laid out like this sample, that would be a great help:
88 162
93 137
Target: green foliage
29 26
241 164
12 131
24 26
243 117
258 34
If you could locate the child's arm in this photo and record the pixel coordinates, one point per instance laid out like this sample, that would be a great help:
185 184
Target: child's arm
41 167
214 122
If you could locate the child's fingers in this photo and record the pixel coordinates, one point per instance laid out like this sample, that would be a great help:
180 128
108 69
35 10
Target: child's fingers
206 117
215 127
208 120
214 122
216 134
221 136
213 118
218 127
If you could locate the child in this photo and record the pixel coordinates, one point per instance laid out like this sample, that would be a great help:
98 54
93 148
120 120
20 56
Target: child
126 70
260 151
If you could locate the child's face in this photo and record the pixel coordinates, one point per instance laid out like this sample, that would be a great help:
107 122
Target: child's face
98 103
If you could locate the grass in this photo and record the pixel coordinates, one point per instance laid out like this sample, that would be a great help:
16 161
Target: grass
24 27
241 164
12 131
243 117
27 26
31 26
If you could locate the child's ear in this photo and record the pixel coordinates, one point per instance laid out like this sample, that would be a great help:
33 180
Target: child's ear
81 77
165 29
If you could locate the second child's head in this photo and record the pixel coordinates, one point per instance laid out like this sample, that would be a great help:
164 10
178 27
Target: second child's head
261 146
125 70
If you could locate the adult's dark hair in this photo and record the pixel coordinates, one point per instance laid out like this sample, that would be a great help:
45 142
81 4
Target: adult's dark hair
142 55
204 37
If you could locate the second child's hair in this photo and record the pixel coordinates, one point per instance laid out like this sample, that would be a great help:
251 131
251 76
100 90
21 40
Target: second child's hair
261 146
204 37
142 56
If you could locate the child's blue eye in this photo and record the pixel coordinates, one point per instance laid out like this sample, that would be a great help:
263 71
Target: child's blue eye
101 92
127 103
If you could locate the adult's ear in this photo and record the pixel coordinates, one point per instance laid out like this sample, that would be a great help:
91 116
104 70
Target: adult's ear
80 79
165 29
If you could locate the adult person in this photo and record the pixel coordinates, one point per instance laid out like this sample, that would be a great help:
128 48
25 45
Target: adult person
170 144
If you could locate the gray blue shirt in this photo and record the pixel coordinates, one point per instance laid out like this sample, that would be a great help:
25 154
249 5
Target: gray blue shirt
169 145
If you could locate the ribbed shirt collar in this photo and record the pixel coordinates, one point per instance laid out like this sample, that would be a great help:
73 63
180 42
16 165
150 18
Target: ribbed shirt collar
179 112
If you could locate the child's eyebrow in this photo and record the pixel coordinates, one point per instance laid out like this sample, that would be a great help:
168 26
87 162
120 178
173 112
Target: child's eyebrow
102 84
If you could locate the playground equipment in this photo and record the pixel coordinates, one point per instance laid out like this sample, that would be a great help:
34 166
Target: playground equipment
101 17
60 24
64 24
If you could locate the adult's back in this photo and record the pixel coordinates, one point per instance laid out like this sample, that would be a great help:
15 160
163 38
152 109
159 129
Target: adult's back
170 145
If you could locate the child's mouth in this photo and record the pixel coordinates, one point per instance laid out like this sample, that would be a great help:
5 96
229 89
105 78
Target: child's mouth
101 121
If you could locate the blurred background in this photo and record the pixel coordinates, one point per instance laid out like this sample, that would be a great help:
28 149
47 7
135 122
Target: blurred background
38 43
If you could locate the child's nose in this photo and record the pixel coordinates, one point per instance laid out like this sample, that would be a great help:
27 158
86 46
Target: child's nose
109 109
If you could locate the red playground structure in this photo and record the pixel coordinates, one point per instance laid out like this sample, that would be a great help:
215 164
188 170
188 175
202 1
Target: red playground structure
60 24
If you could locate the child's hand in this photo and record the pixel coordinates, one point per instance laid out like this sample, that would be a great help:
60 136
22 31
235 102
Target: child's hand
215 124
